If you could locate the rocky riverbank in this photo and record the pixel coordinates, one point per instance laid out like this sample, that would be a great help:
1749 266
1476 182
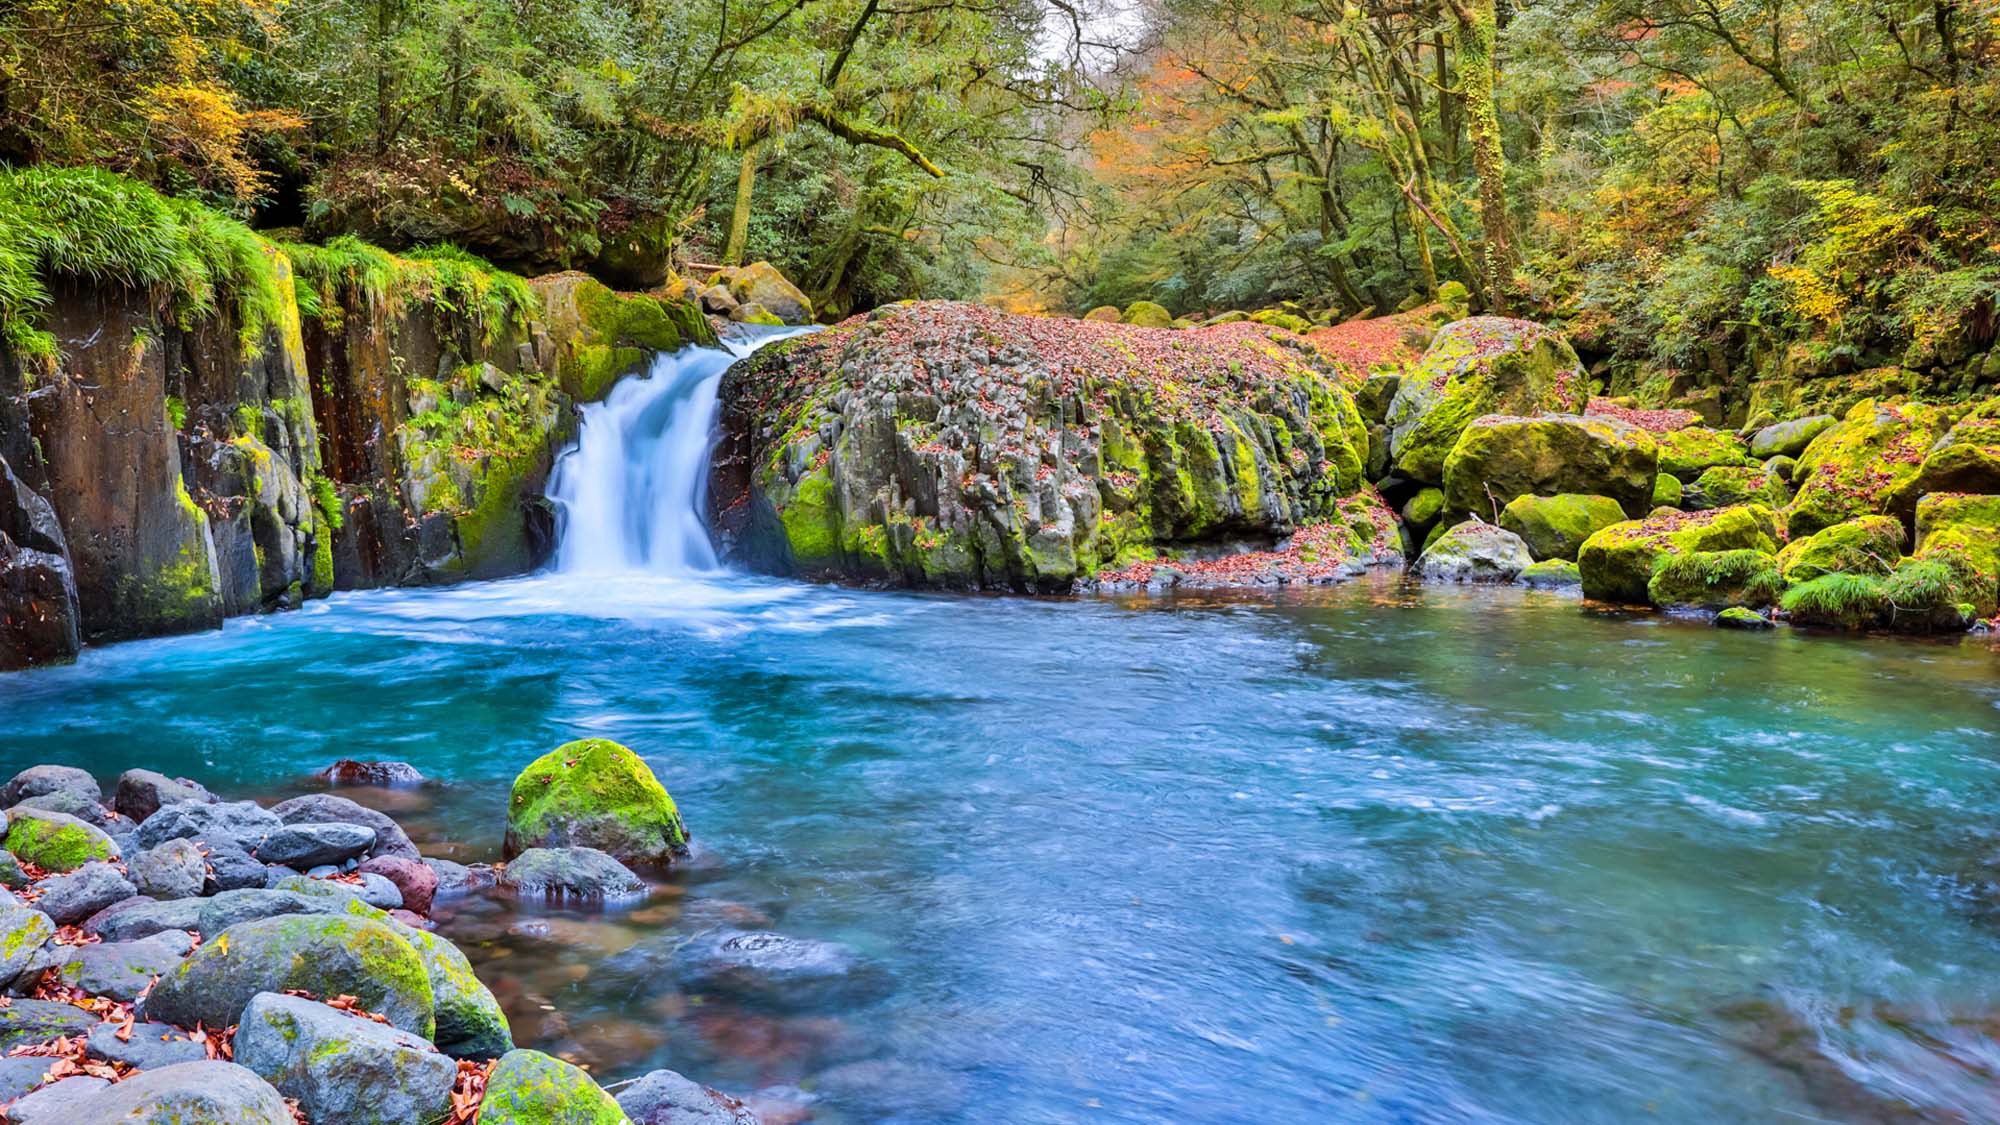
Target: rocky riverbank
168 956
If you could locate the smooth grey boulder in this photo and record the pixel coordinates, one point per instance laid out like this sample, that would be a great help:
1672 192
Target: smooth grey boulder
20 1074
74 804
309 845
149 1046
11 874
582 874
224 910
456 880
23 932
1475 552
175 869
326 955
242 823
666 1097
71 898
37 780
23 1022
194 1093
141 793
325 808
56 1103
372 889
123 969
1789 438
138 917
777 970
230 868
341 1067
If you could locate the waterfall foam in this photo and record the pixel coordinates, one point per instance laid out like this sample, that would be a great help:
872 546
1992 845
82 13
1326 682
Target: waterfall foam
630 494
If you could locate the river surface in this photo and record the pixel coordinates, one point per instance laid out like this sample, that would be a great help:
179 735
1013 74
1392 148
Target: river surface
1363 854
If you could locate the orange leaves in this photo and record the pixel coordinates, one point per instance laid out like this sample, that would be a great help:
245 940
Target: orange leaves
200 124
469 1091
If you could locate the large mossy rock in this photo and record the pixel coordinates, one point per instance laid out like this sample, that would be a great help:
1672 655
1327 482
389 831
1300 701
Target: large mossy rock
1868 545
531 1088
1687 453
1474 552
1965 459
1499 457
594 793
1962 532
1618 562
190 1093
342 1067
761 283
1856 467
1474 367
1714 580
323 954
1146 314
56 841
23 932
953 445
1555 527
470 1021
1789 438
1726 485
599 335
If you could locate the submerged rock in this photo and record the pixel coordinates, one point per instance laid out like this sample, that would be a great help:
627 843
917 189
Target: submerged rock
581 874
380 775
777 970
1737 617
594 793
664 1097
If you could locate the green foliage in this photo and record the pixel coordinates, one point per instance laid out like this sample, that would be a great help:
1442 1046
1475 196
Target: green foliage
1844 601
1738 577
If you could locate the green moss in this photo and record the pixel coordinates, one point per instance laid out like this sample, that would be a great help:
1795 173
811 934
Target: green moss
1278 318
1556 527
1552 573
1425 507
1715 579
57 846
1857 467
1687 453
1618 561
1475 367
1724 485
594 793
1666 491
1868 545
531 1088
812 521
1838 601
1146 314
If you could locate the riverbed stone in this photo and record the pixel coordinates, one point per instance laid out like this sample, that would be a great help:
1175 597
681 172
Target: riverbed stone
326 955
141 793
1724 485
456 880
531 1088
149 1046
175 869
328 808
777 970
122 970
417 881
581 874
37 780
1688 452
25 1022
1715 580
470 1021
22 1073
665 1097
192 1093
1499 457
23 932
1552 574
221 911
1474 552
309 845
594 793
1555 527
241 823
56 841
373 775
1748 620
230 868
56 1103
1618 562
1857 467
82 808
1478 366
139 916
1789 438
71 898
373 890
341 1067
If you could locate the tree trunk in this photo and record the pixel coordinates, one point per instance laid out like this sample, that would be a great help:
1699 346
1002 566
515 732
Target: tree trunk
739 219
1476 24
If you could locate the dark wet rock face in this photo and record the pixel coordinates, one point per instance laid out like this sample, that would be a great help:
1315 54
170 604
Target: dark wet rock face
379 775
141 793
664 1097
583 875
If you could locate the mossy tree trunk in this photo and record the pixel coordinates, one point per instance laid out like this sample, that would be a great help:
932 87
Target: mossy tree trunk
739 219
1477 27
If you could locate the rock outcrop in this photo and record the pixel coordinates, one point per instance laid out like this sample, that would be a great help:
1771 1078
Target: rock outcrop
1475 367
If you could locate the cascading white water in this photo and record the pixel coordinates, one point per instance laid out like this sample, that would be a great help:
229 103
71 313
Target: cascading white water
632 492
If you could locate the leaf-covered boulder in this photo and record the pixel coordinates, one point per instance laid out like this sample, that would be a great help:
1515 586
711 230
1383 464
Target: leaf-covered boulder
531 1088
56 841
1963 532
1965 459
1555 527
953 445
594 793
1716 580
1724 485
324 954
1688 452
1867 545
1856 467
1474 367
1618 562
1474 552
1499 457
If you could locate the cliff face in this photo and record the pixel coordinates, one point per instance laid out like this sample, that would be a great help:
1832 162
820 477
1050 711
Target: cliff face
159 471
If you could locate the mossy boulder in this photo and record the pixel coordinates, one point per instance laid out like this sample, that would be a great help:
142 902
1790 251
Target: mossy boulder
1962 532
531 1088
56 841
1146 314
1789 438
1474 552
1279 318
1868 545
1687 453
599 335
1838 601
1667 491
1555 527
23 932
470 1021
1856 467
1748 620
1499 457
1474 367
594 793
1423 509
1106 314
762 284
1716 579
1618 562
324 954
189 1093
343 1067
1724 485
1965 459
1552 574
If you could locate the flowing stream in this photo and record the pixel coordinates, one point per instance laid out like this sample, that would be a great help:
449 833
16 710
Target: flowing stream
1371 853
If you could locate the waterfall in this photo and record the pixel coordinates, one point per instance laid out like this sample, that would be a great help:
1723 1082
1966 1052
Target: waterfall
632 492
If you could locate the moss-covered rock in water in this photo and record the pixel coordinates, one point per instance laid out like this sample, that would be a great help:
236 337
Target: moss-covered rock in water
1687 453
324 954
1749 620
1146 314
1856 467
1838 601
1474 552
1963 532
1499 457
953 445
599 335
1789 438
1725 485
1667 491
1868 545
1474 367
531 1088
1552 574
56 841
594 793
1555 527
1716 579
1965 459
1618 562
1105 314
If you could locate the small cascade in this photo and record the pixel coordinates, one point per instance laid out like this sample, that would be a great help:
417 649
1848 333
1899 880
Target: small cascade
632 492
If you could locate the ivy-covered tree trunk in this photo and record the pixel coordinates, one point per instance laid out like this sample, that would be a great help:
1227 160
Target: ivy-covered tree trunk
1477 26
739 219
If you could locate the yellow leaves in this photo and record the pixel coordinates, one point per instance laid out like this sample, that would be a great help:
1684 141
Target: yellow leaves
1809 296
198 122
